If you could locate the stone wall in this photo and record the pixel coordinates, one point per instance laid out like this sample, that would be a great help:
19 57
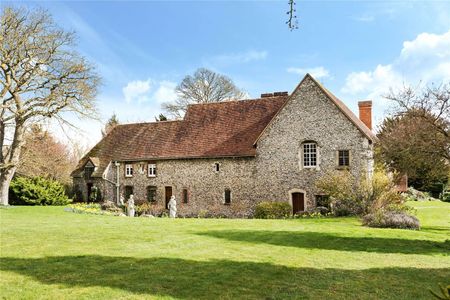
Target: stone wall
275 172
308 116
205 186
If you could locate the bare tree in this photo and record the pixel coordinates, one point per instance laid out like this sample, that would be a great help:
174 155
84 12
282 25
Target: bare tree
205 86
42 155
41 77
431 103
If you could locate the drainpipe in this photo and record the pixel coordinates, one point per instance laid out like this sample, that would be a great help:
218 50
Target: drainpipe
117 164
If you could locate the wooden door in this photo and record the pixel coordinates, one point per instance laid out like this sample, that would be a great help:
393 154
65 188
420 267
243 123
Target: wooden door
168 195
298 202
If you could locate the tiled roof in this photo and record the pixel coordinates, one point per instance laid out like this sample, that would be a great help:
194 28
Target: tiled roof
340 105
224 129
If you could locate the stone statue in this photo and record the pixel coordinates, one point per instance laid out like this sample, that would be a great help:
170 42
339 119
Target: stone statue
131 206
172 207
121 202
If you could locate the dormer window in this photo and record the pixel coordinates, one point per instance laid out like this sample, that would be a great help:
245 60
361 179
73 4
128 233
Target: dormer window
128 170
151 170
89 168
309 155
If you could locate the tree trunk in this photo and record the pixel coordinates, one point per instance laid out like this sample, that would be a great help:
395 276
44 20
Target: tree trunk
11 161
5 180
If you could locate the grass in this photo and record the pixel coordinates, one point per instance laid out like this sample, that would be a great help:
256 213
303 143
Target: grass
47 253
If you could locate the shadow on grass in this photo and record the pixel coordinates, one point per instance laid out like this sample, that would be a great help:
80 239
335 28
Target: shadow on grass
317 240
225 279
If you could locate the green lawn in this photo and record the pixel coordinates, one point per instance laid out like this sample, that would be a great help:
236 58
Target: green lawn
49 253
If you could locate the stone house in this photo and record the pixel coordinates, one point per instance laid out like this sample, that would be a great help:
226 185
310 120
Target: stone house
226 157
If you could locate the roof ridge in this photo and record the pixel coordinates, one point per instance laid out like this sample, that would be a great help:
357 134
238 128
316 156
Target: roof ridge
240 100
153 122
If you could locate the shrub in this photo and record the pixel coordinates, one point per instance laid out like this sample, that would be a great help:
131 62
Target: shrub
445 195
359 196
345 207
272 210
147 208
37 191
391 219
415 195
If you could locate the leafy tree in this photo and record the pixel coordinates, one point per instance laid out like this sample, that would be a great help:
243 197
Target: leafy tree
42 155
415 139
204 86
430 103
160 118
110 124
41 77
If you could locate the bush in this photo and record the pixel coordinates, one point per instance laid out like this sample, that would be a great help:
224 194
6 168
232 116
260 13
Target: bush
37 191
445 195
345 207
415 195
391 219
272 210
147 208
359 196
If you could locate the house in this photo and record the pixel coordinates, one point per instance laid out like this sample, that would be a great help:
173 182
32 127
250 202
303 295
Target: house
226 157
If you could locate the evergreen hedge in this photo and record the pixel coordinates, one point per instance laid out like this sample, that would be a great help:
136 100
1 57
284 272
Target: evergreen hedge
37 191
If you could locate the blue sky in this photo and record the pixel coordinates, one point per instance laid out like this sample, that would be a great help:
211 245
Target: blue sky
358 49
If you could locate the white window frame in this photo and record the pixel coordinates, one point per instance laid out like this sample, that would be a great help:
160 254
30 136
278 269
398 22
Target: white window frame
128 170
151 170
307 163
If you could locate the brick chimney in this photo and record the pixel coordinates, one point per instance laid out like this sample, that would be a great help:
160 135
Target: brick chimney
365 113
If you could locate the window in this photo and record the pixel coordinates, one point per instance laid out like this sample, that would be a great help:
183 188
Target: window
185 196
227 197
217 167
151 194
128 170
343 158
128 192
88 170
323 201
309 155
151 170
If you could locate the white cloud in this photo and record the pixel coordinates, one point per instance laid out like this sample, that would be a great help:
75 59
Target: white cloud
165 92
140 91
137 90
426 59
316 72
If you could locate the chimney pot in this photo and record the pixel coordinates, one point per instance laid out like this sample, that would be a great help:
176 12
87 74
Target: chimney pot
365 113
